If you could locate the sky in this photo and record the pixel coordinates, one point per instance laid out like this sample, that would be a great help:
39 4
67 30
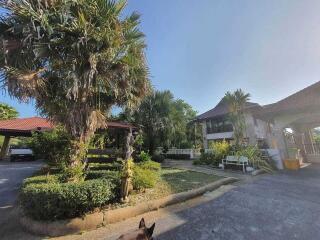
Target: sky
200 49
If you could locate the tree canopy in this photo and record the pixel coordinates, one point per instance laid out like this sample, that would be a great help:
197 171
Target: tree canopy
7 112
166 122
75 58
236 102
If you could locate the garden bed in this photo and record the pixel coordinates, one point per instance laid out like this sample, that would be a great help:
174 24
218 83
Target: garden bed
171 181
45 197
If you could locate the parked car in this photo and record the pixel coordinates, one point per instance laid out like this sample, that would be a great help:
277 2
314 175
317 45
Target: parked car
20 153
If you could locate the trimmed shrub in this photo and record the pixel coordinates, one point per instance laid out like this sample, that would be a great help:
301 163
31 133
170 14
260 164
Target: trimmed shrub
151 165
144 178
111 175
208 158
144 156
46 199
146 175
197 162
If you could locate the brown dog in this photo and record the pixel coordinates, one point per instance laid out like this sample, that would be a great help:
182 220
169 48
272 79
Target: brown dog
143 233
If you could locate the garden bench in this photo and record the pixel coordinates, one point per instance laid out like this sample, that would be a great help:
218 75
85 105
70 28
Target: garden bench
236 160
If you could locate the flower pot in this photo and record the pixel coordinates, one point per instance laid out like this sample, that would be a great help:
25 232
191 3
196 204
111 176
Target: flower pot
292 164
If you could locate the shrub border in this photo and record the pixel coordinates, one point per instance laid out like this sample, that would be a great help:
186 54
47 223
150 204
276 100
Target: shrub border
102 218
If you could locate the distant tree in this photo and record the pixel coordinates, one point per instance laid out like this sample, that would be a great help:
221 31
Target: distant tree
316 134
181 115
236 102
75 59
153 117
166 122
7 112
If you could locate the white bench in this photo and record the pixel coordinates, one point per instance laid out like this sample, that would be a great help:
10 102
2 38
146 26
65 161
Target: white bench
236 160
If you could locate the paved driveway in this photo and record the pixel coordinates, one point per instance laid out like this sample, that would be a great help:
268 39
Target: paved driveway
283 206
11 177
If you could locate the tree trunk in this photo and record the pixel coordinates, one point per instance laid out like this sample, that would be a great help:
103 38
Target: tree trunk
126 183
75 165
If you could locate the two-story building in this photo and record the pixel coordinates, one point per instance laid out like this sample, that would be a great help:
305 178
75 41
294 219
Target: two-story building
216 125
268 125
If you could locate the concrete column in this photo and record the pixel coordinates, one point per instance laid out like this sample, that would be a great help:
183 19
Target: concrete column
278 142
300 141
204 135
5 147
309 141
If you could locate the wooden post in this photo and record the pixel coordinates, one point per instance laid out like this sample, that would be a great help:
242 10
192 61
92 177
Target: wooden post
4 148
126 182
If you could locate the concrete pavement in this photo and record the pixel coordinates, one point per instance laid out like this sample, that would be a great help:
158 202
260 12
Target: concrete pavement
11 177
284 206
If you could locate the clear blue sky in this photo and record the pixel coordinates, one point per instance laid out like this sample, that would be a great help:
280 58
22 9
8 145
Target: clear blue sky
199 49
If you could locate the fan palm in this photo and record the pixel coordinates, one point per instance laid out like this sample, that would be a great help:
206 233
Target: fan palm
75 59
7 112
237 102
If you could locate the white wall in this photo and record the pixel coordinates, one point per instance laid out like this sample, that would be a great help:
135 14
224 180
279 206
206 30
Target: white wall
254 131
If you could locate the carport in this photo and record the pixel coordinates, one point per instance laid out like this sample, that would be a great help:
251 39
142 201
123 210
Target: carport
300 113
21 127
24 127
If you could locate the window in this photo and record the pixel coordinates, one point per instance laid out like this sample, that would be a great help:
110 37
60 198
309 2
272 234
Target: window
218 125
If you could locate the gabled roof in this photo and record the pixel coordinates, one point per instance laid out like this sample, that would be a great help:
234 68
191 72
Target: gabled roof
222 108
25 124
306 98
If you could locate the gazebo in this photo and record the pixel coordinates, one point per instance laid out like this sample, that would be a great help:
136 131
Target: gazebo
24 127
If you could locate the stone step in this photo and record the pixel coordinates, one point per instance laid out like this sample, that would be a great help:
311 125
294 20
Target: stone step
313 158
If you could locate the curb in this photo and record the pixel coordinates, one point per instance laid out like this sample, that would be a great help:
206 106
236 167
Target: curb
94 220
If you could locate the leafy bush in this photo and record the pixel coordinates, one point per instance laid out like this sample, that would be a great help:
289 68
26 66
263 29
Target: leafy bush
208 159
197 162
52 200
53 146
144 178
151 165
220 149
158 158
254 155
144 156
146 175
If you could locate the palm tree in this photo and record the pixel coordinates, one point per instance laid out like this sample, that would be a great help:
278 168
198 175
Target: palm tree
153 116
237 102
75 59
7 112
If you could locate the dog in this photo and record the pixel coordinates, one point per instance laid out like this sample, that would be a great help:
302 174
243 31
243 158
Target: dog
143 233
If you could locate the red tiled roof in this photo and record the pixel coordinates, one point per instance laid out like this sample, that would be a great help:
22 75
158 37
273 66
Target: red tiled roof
38 123
26 124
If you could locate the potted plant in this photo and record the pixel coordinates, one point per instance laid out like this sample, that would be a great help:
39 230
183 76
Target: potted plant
292 162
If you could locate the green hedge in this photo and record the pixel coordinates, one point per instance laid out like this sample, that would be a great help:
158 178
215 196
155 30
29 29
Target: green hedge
178 156
44 198
146 174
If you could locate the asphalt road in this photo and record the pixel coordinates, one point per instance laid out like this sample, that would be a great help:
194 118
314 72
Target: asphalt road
282 206
11 177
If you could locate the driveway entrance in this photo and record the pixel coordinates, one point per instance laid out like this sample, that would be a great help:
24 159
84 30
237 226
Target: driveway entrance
282 206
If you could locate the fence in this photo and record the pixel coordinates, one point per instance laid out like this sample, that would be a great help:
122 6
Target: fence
313 149
193 153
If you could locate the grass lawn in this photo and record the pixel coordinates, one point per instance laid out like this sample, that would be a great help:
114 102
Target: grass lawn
171 181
